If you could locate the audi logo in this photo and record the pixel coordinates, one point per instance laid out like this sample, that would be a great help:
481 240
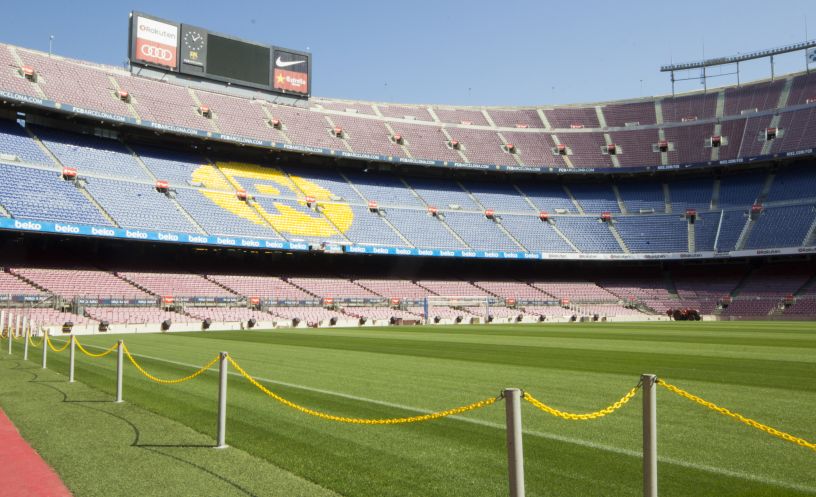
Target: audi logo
156 52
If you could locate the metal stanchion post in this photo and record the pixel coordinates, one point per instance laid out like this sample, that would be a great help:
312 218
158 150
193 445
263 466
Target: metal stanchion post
649 435
119 363
515 450
45 350
10 334
222 402
25 346
71 354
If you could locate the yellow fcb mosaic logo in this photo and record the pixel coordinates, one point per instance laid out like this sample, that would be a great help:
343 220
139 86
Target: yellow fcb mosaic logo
288 216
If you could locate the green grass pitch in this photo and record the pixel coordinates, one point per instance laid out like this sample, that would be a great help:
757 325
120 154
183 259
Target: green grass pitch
159 441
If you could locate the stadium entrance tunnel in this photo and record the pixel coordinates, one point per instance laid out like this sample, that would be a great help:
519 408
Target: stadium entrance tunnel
290 217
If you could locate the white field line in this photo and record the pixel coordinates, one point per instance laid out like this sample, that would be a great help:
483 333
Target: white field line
533 433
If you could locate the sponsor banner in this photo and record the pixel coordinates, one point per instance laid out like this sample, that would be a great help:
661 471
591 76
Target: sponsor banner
206 300
291 73
293 303
156 42
115 302
22 298
811 55
137 234
291 81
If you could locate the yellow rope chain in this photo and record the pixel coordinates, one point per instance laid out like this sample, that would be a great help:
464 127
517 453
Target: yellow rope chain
361 421
31 341
168 382
91 354
582 417
67 343
739 417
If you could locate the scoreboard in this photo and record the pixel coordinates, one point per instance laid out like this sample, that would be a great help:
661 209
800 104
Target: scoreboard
196 51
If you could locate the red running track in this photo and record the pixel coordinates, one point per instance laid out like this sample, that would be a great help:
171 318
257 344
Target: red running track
23 473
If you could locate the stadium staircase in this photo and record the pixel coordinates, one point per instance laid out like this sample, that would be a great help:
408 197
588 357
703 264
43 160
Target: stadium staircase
404 145
30 282
506 142
20 63
810 239
252 205
564 237
133 283
345 142
670 286
691 237
497 221
79 184
459 150
715 194
170 196
742 282
543 118
659 114
720 112
432 112
384 218
715 151
745 233
667 198
439 219
566 157
4 212
619 199
199 104
775 120
282 130
618 237
613 158
784 95
130 107
574 200
664 156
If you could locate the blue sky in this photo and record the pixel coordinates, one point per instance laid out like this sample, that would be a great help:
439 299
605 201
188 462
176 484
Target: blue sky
476 52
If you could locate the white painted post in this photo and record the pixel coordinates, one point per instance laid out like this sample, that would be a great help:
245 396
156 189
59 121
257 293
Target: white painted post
71 355
119 364
2 321
515 451
45 350
25 325
222 402
18 326
10 332
25 346
649 435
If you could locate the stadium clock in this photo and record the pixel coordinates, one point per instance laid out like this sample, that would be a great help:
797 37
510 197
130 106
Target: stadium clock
194 40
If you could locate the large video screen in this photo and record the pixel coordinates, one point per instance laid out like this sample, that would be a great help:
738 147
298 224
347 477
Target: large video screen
237 60
195 51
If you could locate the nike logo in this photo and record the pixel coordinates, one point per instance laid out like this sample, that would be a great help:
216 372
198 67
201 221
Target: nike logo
281 63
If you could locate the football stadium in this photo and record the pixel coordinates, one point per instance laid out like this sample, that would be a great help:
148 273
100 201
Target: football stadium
213 283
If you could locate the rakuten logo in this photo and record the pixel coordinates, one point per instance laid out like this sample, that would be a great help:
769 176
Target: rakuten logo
160 32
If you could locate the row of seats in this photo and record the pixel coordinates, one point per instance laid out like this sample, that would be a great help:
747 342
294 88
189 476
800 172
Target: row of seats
41 194
366 126
729 290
